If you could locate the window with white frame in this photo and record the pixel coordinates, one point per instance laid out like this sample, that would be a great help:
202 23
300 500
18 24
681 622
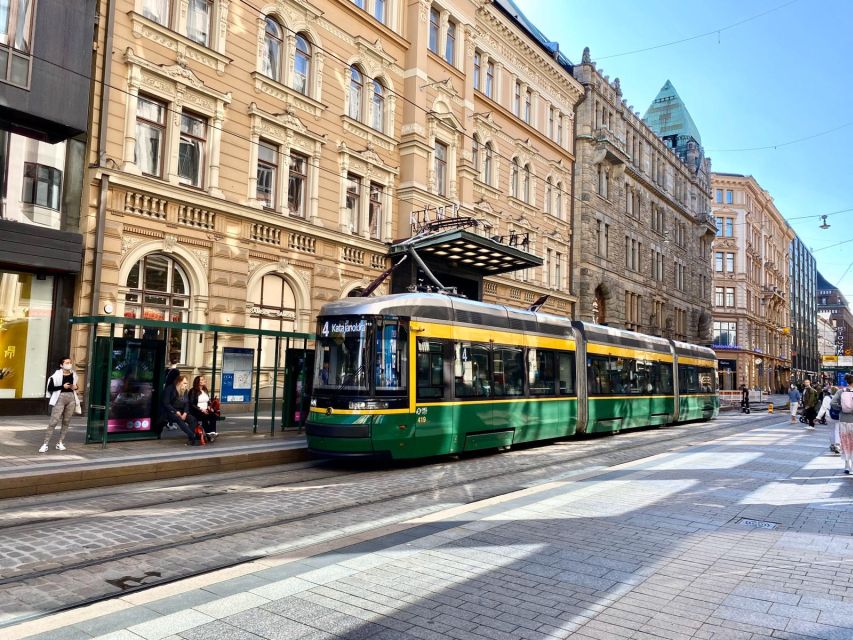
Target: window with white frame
199 15
16 41
377 8
528 106
440 168
514 178
159 11
475 154
377 106
267 174
725 333
191 153
516 98
525 185
297 183
150 136
434 29
560 129
548 194
353 202
302 64
450 42
488 161
490 79
375 218
356 92
273 47
558 270
477 70
558 207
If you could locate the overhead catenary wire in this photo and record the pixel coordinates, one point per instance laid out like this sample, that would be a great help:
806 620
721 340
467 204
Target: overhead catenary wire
553 186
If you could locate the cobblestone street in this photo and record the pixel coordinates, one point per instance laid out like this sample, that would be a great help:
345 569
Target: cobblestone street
738 529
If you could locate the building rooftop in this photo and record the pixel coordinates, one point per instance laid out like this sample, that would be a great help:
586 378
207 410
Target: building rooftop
668 116
511 9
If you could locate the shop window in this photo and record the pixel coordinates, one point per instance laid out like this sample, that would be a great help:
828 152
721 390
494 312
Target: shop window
26 309
158 289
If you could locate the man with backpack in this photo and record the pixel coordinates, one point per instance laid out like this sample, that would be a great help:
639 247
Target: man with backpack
809 403
843 402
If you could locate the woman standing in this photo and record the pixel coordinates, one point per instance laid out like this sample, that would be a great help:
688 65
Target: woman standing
174 404
843 402
199 401
62 387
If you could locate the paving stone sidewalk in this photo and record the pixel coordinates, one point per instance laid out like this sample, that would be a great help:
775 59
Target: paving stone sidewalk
748 536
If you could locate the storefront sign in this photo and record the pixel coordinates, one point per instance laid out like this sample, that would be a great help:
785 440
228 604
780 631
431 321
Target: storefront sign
277 314
237 366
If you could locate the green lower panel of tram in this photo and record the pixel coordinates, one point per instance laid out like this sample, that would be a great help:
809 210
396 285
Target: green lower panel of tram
612 414
698 407
442 429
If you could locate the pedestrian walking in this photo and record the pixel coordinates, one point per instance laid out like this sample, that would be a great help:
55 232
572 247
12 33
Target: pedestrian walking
810 403
794 397
62 387
176 410
825 403
843 402
834 434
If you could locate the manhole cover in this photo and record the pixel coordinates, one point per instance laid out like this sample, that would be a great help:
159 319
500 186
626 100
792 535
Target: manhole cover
757 524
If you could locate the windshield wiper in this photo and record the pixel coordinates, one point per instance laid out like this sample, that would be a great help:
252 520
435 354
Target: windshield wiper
354 377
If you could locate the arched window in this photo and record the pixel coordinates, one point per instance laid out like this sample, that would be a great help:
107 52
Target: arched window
548 195
272 306
158 289
475 155
302 65
514 178
377 106
558 210
272 49
526 190
356 88
487 164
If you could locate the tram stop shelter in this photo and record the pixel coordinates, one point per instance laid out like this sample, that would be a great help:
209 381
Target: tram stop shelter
250 369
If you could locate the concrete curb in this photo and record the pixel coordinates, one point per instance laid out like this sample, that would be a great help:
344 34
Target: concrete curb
86 476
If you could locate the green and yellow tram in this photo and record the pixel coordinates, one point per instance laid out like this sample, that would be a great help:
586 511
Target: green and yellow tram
417 374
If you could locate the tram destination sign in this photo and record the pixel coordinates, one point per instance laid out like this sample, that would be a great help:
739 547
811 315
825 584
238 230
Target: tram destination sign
343 328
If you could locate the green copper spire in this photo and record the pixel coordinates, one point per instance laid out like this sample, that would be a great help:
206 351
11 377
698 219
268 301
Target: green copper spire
667 115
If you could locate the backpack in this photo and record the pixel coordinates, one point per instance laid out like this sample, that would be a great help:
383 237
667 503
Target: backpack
847 400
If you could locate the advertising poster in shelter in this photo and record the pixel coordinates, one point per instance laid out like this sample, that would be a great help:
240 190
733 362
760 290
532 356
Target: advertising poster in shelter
135 369
237 366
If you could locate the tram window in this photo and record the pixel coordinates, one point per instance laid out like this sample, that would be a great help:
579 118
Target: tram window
688 378
509 371
707 379
430 369
644 375
662 378
471 371
391 365
566 373
598 375
540 372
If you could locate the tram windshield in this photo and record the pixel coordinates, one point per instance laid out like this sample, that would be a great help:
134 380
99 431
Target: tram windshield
362 356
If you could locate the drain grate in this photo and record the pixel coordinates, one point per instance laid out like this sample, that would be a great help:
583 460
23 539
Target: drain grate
757 524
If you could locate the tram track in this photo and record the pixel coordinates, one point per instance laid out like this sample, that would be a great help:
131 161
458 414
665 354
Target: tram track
529 465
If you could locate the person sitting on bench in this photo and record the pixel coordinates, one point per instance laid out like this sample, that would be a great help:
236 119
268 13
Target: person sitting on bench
199 403
176 410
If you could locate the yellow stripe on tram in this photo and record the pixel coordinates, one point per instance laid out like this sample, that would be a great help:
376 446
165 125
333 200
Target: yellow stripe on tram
474 334
625 352
699 362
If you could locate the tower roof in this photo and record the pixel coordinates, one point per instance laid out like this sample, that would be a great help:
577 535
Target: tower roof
668 116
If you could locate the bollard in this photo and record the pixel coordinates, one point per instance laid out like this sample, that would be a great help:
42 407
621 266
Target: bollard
769 408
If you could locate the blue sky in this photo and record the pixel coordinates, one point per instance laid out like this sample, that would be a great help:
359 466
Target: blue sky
777 78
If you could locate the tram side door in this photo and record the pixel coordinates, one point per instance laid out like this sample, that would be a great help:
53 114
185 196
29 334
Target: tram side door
298 383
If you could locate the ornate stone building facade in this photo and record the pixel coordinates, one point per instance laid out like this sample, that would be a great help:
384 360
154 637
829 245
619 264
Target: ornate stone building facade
251 161
752 335
642 257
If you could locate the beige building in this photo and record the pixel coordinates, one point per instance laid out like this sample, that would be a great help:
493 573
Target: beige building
250 162
751 285
642 260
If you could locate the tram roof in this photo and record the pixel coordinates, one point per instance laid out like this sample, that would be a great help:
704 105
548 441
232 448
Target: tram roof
622 337
687 349
436 306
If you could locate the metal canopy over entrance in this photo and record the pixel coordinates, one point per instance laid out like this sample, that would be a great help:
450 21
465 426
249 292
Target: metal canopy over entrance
125 371
459 259
475 252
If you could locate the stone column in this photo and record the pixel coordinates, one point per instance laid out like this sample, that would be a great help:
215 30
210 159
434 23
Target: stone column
133 83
